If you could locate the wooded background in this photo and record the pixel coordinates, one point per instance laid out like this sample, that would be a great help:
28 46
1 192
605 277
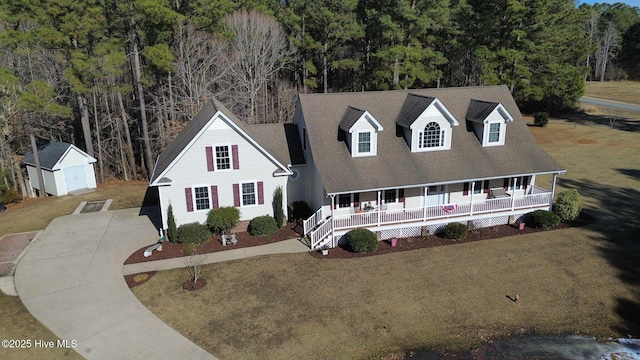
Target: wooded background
120 79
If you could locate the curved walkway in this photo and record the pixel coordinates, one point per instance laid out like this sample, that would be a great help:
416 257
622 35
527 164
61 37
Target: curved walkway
71 279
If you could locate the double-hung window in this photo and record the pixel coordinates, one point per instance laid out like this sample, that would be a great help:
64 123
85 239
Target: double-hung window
389 196
223 158
477 187
344 200
364 142
202 198
248 194
494 132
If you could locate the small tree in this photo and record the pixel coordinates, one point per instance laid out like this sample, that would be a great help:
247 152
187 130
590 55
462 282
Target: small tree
194 263
456 231
278 212
541 119
172 231
223 219
568 205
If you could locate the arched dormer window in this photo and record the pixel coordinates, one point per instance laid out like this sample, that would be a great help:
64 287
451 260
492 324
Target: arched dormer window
432 136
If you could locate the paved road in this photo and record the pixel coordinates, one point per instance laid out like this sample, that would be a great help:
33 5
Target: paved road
71 279
610 104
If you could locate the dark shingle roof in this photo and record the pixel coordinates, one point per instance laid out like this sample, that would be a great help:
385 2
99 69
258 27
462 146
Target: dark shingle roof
280 140
479 110
395 165
413 106
350 117
50 152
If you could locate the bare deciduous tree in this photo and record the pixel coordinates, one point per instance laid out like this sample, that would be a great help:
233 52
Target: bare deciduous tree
257 52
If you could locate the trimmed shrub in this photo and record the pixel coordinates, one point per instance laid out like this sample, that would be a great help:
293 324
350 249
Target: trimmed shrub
568 205
172 230
223 219
262 225
362 240
299 210
455 231
193 233
278 212
541 119
543 219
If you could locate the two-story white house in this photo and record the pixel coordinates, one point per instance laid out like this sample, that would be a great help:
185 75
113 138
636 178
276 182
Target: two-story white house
400 163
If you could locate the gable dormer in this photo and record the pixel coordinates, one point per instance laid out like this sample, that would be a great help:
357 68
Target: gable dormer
426 123
361 132
489 120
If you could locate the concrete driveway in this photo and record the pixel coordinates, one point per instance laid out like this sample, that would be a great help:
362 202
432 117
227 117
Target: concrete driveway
71 279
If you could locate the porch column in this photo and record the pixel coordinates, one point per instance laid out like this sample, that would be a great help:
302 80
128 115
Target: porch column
424 204
379 207
333 238
513 194
473 189
553 191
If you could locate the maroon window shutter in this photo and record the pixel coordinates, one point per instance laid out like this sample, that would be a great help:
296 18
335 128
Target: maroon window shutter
400 195
356 200
505 183
236 160
214 197
485 186
209 151
525 182
260 192
236 195
465 190
189 198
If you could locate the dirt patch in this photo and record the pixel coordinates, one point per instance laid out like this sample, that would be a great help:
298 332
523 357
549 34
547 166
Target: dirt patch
413 243
173 250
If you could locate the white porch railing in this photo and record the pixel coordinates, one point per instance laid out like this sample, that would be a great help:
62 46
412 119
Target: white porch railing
423 214
312 221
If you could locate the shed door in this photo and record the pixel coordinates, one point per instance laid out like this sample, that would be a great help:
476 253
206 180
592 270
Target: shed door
75 177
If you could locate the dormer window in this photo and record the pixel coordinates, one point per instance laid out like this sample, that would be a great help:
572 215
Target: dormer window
364 142
432 136
361 132
489 121
427 124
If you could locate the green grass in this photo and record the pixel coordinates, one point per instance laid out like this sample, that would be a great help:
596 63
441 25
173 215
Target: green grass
579 280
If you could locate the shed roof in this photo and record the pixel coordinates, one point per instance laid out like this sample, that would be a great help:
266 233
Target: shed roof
51 152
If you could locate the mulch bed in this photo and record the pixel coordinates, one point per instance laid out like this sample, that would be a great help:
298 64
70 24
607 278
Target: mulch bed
173 250
412 243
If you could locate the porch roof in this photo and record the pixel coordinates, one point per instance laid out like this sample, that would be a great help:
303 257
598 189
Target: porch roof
395 165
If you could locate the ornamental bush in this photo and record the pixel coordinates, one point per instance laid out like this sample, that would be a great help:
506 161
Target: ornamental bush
362 240
568 205
172 229
543 219
541 119
223 219
263 225
455 231
8 195
278 212
193 233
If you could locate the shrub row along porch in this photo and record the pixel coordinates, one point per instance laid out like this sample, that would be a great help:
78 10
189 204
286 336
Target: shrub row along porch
322 229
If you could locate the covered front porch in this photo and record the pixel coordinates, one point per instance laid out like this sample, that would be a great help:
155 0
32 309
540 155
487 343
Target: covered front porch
453 202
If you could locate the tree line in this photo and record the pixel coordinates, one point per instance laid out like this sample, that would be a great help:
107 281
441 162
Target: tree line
121 78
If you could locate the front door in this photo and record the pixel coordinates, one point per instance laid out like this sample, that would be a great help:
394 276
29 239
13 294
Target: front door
435 195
